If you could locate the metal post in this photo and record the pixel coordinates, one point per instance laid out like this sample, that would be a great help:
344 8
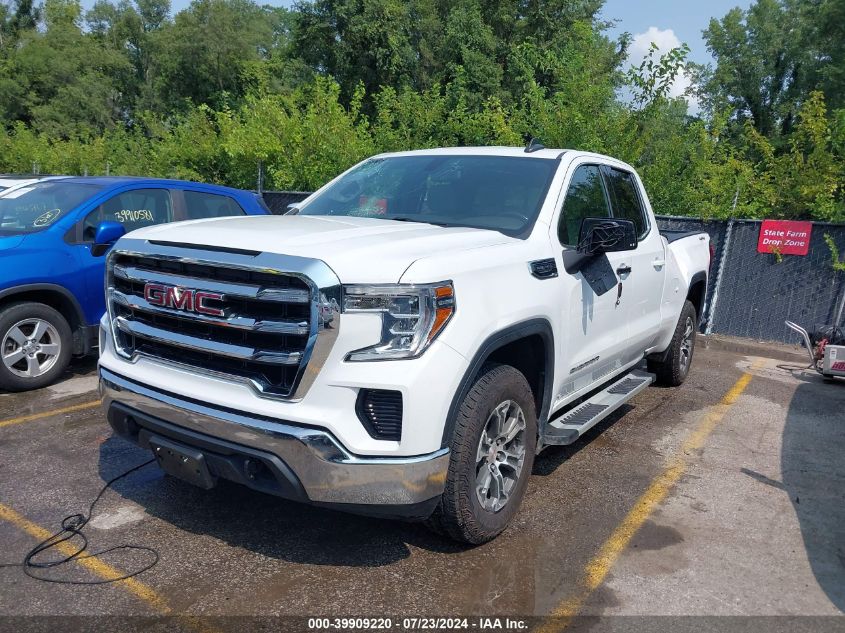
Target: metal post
719 275
841 308
260 177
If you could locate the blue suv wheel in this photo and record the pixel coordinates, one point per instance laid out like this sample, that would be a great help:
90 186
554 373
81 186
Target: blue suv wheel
35 346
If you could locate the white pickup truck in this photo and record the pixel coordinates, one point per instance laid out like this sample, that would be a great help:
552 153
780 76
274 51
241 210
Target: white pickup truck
408 338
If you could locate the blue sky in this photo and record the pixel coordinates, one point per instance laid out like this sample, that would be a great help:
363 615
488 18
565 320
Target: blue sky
683 18
668 24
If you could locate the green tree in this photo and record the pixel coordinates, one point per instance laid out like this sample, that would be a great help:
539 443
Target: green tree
58 79
765 64
804 182
206 50
830 35
130 28
358 41
469 46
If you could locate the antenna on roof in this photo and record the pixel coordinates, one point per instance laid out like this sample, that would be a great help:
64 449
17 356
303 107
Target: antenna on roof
533 146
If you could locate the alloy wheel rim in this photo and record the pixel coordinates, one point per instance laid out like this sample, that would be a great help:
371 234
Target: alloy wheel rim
30 348
500 456
686 344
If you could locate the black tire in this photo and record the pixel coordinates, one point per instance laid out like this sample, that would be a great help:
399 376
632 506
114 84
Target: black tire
673 370
17 313
460 513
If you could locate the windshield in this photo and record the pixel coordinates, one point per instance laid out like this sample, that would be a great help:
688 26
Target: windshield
37 206
502 193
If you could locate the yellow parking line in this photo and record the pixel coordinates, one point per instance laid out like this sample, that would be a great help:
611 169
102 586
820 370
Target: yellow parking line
106 572
47 414
94 565
597 569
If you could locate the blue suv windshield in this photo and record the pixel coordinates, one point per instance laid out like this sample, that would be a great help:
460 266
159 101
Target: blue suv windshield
35 207
501 193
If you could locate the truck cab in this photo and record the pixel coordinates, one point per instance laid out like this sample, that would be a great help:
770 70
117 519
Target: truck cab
409 338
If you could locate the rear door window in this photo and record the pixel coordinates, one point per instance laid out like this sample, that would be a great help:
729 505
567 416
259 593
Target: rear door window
585 198
199 205
626 199
133 209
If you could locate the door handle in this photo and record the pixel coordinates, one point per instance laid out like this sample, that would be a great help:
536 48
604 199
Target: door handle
658 263
623 269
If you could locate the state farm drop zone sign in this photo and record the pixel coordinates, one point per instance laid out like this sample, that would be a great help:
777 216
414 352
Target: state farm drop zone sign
785 237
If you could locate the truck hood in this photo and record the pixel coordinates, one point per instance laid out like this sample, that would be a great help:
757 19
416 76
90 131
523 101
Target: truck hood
362 250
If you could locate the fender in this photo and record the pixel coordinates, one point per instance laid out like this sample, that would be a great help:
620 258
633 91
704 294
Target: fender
82 333
512 333
699 276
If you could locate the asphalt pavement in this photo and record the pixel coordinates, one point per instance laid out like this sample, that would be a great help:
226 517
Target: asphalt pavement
724 497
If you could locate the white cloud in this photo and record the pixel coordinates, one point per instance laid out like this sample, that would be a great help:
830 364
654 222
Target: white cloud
666 40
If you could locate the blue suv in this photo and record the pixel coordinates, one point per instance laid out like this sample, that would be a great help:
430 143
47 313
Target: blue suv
53 238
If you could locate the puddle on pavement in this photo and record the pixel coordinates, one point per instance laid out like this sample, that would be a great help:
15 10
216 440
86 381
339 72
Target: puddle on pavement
87 417
502 582
74 387
118 517
785 371
652 536
73 391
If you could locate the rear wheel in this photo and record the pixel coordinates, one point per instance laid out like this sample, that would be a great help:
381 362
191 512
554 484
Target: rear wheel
493 448
672 370
35 346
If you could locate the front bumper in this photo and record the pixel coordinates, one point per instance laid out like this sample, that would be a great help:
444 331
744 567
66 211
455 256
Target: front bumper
297 462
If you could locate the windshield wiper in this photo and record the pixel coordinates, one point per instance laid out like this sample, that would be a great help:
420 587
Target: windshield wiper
404 218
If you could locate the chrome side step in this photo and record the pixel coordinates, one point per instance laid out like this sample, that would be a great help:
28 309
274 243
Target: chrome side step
572 424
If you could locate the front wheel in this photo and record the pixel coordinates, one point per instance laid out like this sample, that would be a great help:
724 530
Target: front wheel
672 370
493 446
35 346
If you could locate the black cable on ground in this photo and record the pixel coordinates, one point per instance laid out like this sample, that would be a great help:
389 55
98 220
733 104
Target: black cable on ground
793 368
71 528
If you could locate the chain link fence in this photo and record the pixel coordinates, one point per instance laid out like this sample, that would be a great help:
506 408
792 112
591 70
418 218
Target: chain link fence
278 201
757 292
750 294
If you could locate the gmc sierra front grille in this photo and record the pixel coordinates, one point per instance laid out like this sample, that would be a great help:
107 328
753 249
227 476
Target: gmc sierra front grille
241 323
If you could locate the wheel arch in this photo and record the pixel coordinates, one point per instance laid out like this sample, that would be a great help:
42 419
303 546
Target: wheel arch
697 292
58 298
529 347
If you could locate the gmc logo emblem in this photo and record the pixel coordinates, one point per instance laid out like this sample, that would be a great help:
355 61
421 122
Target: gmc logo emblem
182 299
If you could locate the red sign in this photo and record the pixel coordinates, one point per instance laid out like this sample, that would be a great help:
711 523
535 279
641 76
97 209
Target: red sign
786 237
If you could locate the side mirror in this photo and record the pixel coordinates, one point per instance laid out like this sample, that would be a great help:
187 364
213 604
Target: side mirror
105 237
606 235
292 208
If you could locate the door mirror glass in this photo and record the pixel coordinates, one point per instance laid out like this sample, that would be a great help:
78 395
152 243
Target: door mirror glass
606 235
106 235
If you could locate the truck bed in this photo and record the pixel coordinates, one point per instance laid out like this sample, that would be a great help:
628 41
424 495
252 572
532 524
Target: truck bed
673 235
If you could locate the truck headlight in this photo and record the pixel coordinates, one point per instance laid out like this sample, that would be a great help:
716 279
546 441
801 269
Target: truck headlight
411 316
